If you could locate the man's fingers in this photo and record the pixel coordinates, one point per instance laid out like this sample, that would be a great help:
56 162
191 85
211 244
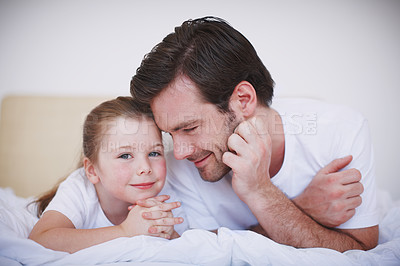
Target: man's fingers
231 160
350 213
237 144
252 129
260 126
353 202
249 140
246 131
243 127
354 190
350 176
337 165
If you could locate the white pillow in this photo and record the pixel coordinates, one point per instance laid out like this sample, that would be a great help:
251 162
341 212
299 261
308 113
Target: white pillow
16 213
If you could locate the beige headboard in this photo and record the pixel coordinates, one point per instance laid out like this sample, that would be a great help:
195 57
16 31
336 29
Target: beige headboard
40 140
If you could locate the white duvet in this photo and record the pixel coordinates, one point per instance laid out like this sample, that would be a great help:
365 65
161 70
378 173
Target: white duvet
194 247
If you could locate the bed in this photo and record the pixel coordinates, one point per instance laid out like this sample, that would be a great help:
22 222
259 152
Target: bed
40 143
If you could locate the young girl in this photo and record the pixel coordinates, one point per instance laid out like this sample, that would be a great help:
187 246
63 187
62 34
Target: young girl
123 163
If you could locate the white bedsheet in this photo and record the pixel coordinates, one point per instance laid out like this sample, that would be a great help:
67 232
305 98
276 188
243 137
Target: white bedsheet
194 247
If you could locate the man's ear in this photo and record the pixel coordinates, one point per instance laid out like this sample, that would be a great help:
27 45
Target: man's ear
244 99
90 171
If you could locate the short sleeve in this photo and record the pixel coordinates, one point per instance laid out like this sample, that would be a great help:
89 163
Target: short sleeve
69 200
363 159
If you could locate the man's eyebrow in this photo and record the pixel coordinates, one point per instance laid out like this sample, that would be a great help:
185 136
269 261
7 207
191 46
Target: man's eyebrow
184 125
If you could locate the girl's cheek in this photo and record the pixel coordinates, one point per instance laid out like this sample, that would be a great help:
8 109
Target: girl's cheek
161 168
123 170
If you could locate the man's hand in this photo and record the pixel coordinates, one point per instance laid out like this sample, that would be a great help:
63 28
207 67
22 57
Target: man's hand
249 157
332 196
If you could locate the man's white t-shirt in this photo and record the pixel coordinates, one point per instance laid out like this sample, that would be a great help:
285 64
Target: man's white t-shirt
316 133
76 198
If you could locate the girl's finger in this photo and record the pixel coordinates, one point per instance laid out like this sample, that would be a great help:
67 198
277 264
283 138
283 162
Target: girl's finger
151 202
167 206
162 235
168 221
164 207
160 229
154 215
148 203
161 198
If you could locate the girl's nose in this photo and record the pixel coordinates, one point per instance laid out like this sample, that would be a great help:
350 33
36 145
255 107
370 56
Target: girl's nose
144 167
144 171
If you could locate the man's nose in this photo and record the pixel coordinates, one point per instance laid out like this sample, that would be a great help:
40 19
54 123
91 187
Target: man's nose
182 149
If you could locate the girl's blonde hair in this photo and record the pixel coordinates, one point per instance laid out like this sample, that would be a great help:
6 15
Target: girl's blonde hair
93 130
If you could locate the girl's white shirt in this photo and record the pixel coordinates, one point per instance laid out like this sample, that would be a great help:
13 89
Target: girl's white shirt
76 198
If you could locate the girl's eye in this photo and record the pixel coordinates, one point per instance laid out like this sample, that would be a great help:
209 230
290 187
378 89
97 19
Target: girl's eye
125 156
154 154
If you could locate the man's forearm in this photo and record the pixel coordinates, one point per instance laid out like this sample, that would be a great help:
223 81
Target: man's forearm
283 222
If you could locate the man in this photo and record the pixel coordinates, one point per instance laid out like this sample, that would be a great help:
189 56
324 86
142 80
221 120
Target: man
209 90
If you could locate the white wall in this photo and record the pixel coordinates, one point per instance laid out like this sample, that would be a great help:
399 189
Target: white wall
346 52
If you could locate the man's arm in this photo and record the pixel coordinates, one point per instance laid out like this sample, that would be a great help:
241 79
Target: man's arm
283 222
278 216
331 197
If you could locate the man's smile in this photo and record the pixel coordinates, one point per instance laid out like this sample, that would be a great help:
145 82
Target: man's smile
201 162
